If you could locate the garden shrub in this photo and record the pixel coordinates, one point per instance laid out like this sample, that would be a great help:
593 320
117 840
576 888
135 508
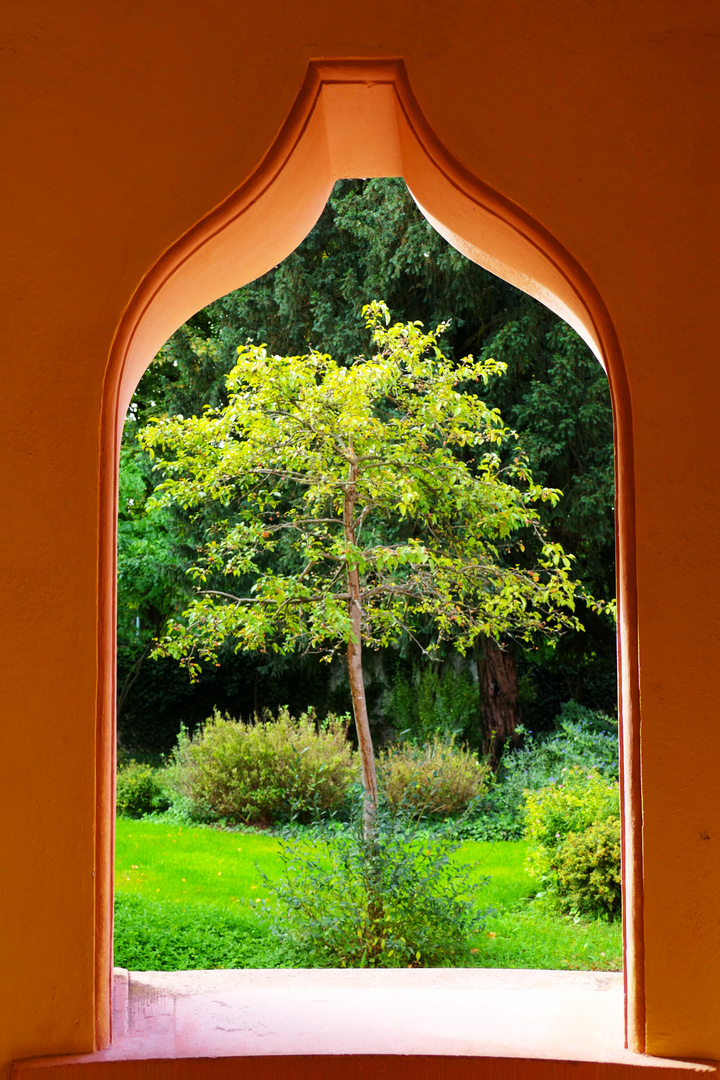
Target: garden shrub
393 899
587 869
267 771
574 833
584 738
437 778
140 790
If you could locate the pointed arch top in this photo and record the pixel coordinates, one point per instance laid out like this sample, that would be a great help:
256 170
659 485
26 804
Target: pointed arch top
351 118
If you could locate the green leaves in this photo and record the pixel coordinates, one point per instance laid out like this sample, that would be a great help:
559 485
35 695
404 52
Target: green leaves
395 899
390 468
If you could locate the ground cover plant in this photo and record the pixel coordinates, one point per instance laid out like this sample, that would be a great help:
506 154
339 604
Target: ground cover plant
193 897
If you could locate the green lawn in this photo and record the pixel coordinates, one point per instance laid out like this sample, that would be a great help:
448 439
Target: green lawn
185 898
193 865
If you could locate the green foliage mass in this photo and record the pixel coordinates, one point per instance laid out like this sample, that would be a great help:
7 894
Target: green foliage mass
267 771
573 828
150 572
437 778
310 454
371 240
141 789
394 899
578 800
584 739
434 700
587 869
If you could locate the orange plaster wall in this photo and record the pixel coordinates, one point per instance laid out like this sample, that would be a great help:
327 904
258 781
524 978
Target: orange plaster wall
123 127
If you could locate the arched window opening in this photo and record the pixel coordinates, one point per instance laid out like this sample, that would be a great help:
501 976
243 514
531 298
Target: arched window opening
388 137
371 241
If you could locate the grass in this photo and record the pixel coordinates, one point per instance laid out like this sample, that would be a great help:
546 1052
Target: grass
185 898
193 865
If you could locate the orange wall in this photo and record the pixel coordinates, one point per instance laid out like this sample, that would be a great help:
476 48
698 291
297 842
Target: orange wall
123 127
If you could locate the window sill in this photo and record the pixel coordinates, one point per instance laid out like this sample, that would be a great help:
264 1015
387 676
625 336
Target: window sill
432 1022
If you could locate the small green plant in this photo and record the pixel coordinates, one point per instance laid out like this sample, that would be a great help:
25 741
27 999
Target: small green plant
140 790
587 869
438 778
574 833
267 771
434 701
390 898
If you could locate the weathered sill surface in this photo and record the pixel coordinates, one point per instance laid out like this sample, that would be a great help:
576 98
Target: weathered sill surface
508 1023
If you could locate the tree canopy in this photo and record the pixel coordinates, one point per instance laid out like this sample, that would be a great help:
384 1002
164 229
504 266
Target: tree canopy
367 501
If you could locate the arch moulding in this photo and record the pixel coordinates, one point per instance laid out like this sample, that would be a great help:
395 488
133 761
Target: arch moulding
360 118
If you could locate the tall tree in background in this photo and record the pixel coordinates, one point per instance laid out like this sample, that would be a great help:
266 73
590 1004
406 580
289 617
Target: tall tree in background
371 240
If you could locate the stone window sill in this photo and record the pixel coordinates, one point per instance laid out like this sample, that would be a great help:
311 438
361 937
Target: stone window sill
509 1023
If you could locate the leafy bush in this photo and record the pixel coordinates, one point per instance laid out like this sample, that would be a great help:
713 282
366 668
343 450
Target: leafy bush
267 771
393 899
434 702
574 833
437 778
587 868
584 739
140 790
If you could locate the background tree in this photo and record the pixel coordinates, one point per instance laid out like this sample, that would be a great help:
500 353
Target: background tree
151 578
379 494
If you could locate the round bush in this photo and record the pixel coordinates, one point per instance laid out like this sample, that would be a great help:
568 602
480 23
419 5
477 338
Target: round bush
574 833
587 866
437 778
266 771
579 800
140 790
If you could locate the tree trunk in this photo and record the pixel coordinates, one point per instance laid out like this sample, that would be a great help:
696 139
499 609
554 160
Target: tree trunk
354 659
499 707
131 679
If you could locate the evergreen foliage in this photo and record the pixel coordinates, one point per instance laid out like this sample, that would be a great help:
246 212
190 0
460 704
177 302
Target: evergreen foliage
434 700
584 740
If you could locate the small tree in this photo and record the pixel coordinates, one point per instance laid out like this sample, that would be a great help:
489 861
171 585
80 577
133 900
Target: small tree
368 501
